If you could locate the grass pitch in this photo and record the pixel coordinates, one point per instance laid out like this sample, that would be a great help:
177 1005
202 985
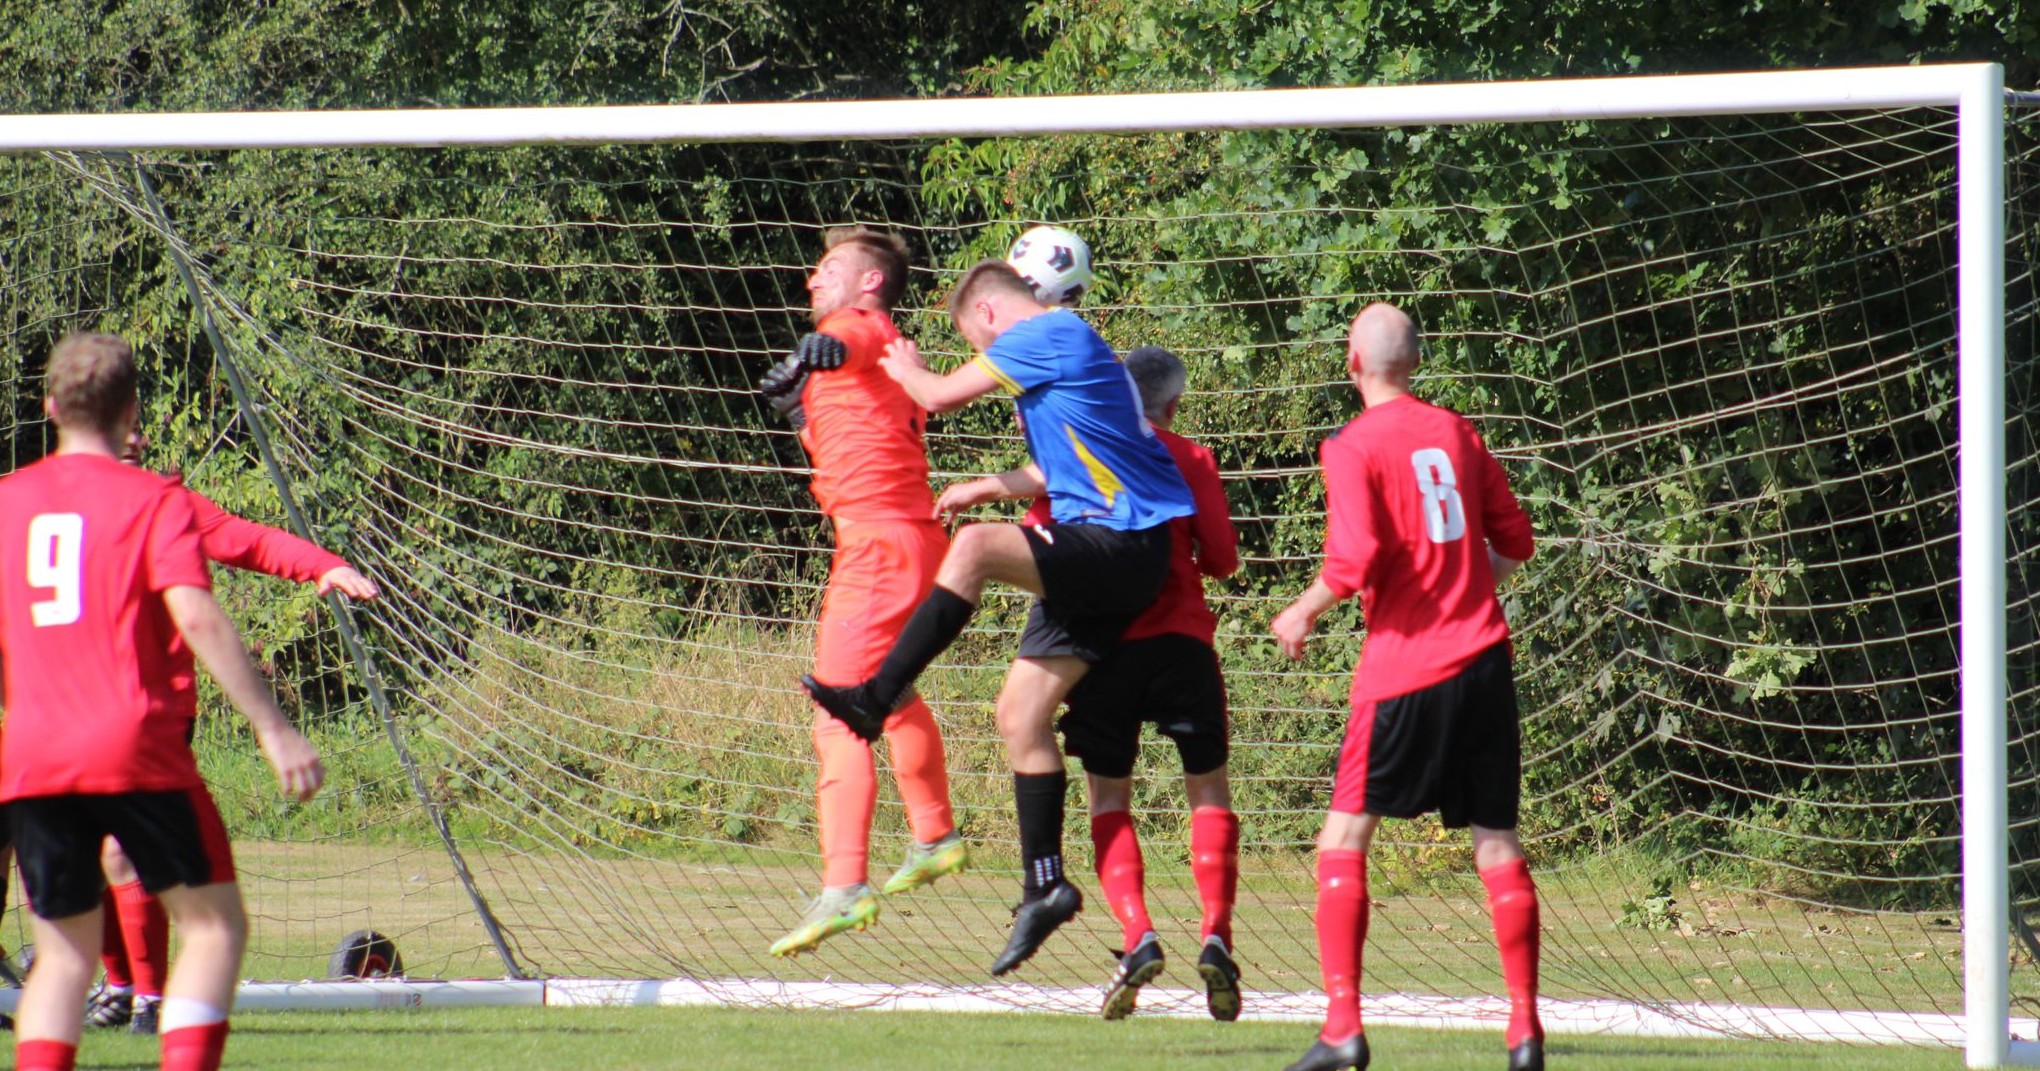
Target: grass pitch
719 920
629 1039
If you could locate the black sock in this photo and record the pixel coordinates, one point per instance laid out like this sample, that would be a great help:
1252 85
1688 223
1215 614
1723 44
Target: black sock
1038 798
936 624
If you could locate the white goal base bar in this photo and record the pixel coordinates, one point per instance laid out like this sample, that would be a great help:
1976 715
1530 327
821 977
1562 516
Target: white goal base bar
1390 1009
1607 1017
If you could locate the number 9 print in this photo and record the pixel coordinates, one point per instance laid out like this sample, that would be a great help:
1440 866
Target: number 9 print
56 544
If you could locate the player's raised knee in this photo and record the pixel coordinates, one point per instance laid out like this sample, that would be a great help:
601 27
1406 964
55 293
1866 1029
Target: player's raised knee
969 546
982 552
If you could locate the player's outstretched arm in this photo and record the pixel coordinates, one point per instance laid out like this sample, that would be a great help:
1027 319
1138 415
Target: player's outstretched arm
932 390
217 644
1026 481
242 544
1293 625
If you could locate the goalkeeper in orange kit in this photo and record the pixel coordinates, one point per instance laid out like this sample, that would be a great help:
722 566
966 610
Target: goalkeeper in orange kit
865 438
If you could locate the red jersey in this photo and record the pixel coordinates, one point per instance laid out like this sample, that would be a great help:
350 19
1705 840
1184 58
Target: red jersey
1413 501
1202 544
258 548
99 687
863 433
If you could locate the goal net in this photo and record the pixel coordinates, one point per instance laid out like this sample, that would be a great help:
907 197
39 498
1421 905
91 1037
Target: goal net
1716 355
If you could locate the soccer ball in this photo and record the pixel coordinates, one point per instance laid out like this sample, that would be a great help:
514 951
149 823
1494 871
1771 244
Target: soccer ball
1056 264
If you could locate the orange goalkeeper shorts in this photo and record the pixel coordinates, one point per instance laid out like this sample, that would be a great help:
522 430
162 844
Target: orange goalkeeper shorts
881 572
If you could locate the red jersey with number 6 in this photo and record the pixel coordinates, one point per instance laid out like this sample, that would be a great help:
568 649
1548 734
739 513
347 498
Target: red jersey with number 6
99 692
1413 500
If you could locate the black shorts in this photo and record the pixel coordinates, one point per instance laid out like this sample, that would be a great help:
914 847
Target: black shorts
1170 682
1452 748
173 838
1095 580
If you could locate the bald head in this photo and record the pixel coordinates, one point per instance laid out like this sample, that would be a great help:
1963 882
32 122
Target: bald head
1382 345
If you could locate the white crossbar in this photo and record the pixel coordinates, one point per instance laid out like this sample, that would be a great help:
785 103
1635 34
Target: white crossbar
1851 89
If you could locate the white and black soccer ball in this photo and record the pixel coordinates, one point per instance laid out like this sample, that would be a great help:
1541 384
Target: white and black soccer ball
1056 264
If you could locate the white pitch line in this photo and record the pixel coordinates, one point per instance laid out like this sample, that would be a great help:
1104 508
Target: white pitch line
1396 1009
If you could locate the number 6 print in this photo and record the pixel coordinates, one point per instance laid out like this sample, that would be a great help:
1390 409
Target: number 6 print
1444 512
56 545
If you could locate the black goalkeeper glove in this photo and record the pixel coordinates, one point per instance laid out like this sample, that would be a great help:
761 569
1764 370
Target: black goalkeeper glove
781 387
820 352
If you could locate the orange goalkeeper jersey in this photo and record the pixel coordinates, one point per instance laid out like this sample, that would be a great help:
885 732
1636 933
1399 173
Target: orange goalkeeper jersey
864 435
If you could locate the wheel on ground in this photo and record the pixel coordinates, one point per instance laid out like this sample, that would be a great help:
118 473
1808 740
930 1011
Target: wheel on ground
365 954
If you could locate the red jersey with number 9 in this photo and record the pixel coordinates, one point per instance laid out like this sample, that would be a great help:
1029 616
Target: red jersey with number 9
1413 500
864 434
99 692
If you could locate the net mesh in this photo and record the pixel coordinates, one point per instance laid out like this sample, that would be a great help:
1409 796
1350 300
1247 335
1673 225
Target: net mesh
1716 357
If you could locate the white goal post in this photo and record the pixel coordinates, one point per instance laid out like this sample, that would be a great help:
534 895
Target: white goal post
1974 91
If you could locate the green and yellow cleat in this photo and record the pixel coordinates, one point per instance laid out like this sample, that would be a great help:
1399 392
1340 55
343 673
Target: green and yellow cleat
834 911
926 862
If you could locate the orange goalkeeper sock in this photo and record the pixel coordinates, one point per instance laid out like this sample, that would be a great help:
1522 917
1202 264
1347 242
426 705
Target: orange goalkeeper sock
920 770
845 794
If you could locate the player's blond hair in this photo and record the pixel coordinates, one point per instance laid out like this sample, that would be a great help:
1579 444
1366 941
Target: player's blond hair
92 380
986 276
883 251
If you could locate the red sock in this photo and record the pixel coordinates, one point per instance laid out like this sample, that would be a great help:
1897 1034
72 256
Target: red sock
194 1048
1341 933
1121 873
145 929
45 1055
1512 899
1215 863
112 948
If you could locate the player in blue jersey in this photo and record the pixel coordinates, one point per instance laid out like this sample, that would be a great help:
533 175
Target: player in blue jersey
1112 490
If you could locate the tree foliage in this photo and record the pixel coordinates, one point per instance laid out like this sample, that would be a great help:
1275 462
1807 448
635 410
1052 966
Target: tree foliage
1740 583
1185 224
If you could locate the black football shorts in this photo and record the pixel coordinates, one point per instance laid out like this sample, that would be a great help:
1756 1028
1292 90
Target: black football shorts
1453 748
1171 682
1095 581
173 838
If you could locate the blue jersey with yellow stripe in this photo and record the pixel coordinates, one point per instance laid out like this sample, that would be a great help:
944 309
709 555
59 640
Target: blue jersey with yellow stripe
1084 425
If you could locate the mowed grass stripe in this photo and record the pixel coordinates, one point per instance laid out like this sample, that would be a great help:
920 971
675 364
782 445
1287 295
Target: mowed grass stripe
631 1039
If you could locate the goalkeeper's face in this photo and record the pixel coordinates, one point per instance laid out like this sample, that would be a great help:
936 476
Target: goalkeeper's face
835 282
